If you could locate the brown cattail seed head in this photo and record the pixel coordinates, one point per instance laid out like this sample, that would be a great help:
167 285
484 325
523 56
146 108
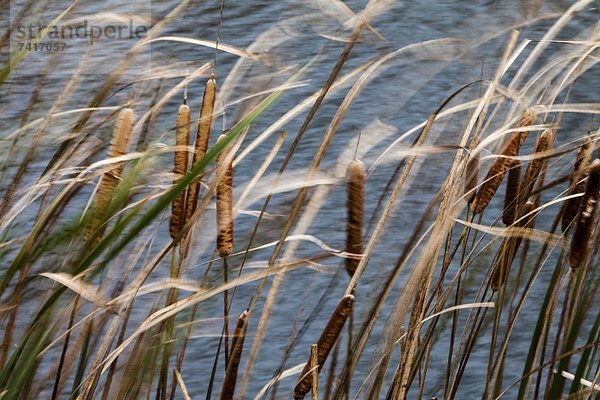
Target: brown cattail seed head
180 165
582 237
544 143
110 180
512 193
225 205
577 185
356 175
472 172
325 344
228 388
201 144
501 165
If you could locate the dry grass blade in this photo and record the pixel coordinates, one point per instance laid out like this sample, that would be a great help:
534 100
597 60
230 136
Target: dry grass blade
577 185
513 187
501 165
181 385
325 344
110 180
519 231
201 143
225 206
179 169
355 203
581 242
237 346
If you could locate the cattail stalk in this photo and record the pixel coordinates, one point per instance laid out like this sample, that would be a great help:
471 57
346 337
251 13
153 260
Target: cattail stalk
314 365
356 175
501 164
110 180
577 185
325 344
201 143
582 237
225 205
237 346
511 198
180 161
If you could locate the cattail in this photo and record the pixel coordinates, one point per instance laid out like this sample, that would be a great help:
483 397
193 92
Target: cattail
314 365
110 180
577 184
237 346
501 165
581 242
225 206
201 144
356 175
544 143
472 173
500 274
180 161
325 344
511 198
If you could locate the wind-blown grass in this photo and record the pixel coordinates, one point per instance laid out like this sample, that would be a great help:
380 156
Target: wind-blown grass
127 290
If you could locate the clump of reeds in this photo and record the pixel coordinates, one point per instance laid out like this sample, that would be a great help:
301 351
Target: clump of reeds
237 346
355 203
502 164
110 179
180 161
584 228
472 172
577 184
201 143
225 206
325 343
513 187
